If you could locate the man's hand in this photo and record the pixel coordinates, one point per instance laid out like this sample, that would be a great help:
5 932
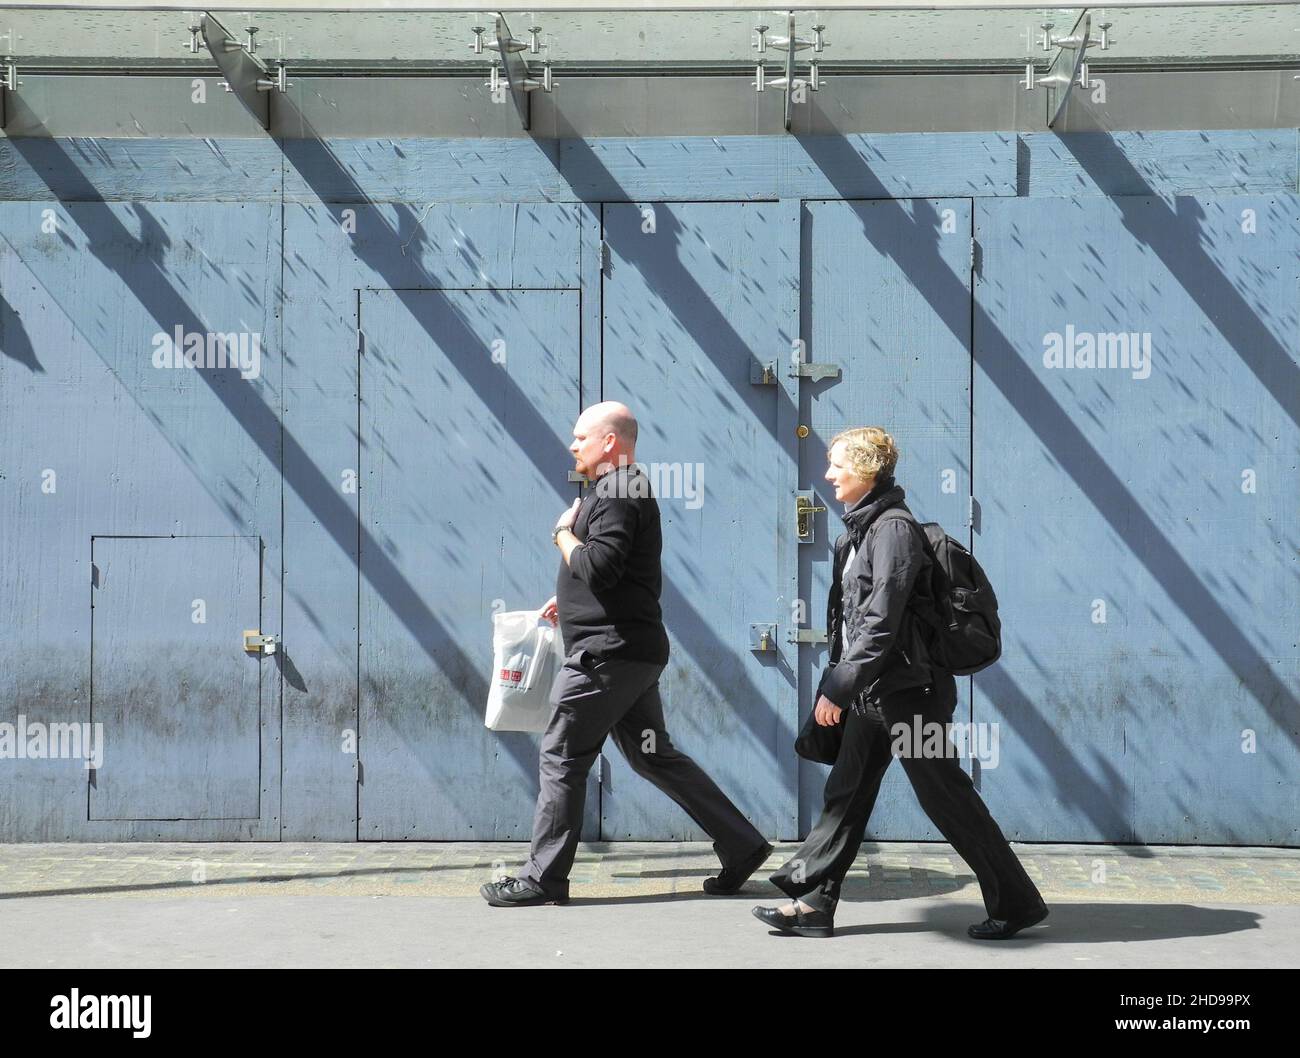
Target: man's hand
828 713
570 516
549 612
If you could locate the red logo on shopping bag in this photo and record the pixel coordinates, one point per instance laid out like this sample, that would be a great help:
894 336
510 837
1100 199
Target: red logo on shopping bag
512 675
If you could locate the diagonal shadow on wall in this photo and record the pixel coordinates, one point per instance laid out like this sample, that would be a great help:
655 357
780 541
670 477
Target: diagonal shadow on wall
15 342
1175 237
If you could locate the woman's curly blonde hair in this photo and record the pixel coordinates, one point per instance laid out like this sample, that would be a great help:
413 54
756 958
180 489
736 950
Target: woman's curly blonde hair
868 450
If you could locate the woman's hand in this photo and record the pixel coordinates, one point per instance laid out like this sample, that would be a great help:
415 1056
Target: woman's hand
827 713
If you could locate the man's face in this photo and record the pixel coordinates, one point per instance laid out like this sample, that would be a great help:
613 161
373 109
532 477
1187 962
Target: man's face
588 446
849 488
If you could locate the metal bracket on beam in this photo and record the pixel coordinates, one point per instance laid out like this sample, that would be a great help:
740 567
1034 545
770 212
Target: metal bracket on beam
791 45
8 83
247 76
280 82
1069 66
518 80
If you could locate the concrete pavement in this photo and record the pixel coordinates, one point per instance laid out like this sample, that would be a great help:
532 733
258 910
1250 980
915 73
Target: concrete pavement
634 904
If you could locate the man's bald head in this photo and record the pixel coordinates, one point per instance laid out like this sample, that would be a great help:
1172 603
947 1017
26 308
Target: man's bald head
604 437
611 416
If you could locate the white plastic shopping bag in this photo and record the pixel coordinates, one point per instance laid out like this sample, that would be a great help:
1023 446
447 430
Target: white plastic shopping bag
526 656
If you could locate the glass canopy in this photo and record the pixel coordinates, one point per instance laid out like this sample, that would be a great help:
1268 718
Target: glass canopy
642 40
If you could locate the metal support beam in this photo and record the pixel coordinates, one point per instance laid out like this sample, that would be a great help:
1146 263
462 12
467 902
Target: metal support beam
519 80
8 83
790 44
1069 66
245 74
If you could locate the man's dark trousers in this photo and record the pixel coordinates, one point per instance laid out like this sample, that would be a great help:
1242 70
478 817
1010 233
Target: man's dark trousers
594 697
943 788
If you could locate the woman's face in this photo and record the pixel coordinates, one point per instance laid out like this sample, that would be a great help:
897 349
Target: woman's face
849 488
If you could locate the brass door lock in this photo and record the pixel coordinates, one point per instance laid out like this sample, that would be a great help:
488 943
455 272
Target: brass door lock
805 506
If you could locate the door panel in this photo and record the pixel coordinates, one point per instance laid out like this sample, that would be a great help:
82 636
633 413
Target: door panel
1139 516
694 295
886 295
467 400
176 694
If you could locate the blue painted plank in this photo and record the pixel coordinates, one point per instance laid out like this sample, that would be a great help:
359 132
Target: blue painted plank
336 247
755 167
897 165
423 170
80 169
1226 161
708 167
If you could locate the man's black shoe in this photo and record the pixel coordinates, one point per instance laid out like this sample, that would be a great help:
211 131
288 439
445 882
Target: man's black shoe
1002 928
729 880
802 923
515 892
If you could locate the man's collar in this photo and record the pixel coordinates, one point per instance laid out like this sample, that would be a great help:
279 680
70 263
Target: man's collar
627 468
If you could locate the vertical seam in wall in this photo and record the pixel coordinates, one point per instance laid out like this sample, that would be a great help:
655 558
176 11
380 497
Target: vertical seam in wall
284 411
90 680
358 776
970 440
582 222
600 249
600 345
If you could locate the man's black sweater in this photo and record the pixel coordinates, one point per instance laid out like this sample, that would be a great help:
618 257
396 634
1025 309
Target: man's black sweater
608 593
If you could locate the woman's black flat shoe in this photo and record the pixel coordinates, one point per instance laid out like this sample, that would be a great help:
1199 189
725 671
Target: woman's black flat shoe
802 923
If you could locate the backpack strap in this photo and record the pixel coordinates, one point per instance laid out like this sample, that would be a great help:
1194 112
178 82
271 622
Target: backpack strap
906 516
943 605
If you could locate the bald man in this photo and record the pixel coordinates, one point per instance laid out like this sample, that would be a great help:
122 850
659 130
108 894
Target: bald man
607 606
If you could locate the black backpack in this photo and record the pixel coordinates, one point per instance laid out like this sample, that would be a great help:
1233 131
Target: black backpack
967 632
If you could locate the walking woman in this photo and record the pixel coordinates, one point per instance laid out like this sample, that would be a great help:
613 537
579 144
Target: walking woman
880 675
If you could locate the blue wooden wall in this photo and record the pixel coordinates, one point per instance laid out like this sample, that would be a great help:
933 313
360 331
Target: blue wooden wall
1141 531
